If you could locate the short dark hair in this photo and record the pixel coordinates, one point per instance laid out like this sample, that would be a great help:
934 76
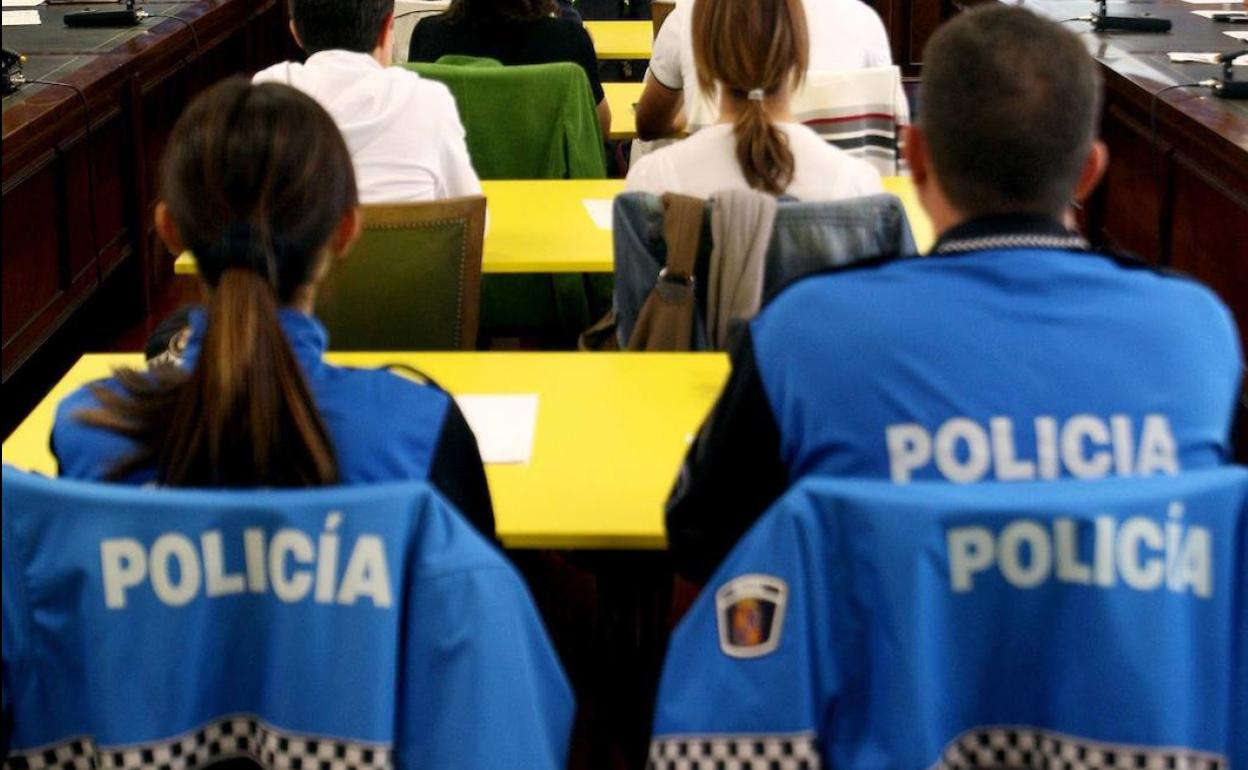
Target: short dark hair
348 25
1010 106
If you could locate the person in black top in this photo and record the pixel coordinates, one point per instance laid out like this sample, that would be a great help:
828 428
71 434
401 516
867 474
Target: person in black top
513 32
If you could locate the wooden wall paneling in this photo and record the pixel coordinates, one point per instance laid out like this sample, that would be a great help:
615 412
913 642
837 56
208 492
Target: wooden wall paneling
1210 233
42 283
100 194
1135 187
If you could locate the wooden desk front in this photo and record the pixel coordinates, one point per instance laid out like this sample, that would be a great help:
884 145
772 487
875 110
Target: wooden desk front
612 429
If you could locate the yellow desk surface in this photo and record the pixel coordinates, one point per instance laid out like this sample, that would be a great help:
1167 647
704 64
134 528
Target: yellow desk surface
612 429
542 226
536 226
621 97
621 39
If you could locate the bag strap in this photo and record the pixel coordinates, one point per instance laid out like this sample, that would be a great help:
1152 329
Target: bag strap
682 230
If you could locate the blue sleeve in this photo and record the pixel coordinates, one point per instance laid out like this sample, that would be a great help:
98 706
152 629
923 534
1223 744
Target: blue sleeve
1239 674
499 698
12 645
84 452
747 674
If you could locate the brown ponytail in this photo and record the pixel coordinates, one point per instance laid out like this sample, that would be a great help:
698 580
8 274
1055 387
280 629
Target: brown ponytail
753 48
256 178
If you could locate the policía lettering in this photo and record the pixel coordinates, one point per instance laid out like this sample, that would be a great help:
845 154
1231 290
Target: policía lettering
1084 446
289 564
1138 551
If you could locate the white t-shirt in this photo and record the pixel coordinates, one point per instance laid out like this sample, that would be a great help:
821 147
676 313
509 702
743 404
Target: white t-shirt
844 35
403 131
706 163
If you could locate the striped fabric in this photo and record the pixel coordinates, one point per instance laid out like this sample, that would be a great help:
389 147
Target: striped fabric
859 111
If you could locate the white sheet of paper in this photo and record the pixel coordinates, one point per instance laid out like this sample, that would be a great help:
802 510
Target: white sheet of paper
1211 14
1237 35
600 211
1181 57
1212 2
503 424
20 19
21 3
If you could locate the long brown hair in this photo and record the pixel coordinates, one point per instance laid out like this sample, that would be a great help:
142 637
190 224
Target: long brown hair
746 45
256 179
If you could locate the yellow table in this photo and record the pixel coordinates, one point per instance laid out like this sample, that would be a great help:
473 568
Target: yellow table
621 39
536 226
612 429
920 225
622 97
542 226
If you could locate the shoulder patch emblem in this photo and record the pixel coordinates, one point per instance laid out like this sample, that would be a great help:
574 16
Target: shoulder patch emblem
750 613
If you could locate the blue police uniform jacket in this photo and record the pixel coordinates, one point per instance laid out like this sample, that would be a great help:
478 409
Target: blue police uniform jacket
364 627
384 427
1081 625
1012 353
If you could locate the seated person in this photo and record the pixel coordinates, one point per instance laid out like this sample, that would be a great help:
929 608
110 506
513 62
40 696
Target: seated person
756 52
513 32
257 181
404 132
1014 352
844 34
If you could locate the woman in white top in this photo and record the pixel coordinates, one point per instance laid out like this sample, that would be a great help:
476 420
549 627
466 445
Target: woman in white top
757 52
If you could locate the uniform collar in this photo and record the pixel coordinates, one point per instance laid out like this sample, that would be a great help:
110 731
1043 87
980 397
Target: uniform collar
1008 231
307 337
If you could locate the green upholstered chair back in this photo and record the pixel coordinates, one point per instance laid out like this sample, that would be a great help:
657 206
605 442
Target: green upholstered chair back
412 281
532 121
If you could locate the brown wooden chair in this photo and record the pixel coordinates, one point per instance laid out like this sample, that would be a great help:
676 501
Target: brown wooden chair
659 9
412 282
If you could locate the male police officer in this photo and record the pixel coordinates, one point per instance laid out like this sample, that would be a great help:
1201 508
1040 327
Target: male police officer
1013 352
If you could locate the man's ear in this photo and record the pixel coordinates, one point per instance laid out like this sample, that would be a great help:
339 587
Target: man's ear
386 41
295 34
167 229
1093 172
916 154
347 232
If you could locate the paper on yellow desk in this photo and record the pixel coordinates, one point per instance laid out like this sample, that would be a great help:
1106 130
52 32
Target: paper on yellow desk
600 211
503 424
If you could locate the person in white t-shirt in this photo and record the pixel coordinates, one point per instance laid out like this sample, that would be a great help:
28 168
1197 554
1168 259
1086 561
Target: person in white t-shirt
844 35
404 132
756 53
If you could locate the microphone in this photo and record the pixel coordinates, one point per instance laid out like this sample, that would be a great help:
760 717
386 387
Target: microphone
13 77
1103 22
1231 56
93 18
1230 89
1227 87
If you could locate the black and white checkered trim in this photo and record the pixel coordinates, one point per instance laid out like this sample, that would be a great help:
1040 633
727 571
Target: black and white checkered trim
735 752
229 737
1026 748
992 242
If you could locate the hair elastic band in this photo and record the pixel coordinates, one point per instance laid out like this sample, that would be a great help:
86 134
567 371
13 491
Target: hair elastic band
755 95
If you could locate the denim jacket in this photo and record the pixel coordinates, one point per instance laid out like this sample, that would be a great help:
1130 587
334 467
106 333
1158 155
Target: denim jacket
806 237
